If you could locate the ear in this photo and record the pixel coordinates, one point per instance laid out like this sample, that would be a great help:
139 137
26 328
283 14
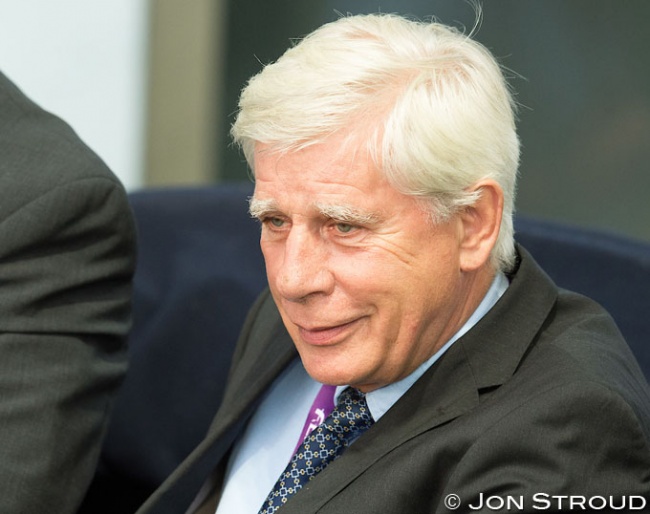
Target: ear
480 224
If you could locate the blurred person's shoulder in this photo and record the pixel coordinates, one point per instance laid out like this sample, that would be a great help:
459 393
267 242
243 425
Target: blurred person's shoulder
40 152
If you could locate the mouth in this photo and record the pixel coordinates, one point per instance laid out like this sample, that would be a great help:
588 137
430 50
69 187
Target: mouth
327 335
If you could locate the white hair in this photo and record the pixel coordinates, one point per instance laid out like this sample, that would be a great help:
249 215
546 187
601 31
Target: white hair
430 104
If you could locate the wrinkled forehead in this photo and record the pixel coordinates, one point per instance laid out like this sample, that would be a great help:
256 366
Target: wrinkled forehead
334 160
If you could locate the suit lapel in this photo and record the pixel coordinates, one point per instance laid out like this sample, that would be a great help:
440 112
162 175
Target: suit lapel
481 360
268 351
263 361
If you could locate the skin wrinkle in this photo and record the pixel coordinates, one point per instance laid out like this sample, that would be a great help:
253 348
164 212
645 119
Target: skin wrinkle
339 161
362 221
364 307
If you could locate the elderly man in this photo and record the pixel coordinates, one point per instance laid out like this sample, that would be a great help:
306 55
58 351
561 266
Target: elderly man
408 357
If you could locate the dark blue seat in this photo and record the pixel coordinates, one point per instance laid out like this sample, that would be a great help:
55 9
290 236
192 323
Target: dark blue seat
199 270
613 270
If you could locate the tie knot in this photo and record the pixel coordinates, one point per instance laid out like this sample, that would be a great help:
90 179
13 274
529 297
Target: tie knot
351 414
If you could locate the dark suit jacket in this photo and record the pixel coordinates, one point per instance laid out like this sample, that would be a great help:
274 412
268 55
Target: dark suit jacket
541 396
66 262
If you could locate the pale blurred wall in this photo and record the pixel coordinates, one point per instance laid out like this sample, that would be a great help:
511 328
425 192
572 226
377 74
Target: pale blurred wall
137 79
84 60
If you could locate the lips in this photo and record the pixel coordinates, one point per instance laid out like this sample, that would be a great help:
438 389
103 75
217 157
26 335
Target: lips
327 335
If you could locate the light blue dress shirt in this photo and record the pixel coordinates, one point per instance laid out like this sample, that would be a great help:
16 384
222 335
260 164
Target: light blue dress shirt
264 449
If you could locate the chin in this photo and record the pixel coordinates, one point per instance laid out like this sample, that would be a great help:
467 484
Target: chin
335 365
338 376
327 375
326 371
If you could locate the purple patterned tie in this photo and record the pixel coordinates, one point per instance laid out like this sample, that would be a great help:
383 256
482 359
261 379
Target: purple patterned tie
325 443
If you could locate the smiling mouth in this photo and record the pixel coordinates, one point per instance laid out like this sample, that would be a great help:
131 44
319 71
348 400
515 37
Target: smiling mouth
324 336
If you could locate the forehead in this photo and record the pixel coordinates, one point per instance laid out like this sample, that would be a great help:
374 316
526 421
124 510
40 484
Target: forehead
334 172
331 166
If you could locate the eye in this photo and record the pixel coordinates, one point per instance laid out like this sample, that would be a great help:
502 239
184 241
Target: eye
273 222
344 228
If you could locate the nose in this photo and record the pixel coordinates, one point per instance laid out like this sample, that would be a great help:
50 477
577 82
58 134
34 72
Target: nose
304 270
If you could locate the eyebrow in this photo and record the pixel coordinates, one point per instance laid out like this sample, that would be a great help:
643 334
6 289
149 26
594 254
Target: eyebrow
343 213
261 208
348 214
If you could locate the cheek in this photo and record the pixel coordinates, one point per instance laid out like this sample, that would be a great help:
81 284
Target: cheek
369 265
411 298
272 259
384 285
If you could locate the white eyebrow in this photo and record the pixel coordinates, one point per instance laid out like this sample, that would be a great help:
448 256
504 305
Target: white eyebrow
261 208
343 213
347 214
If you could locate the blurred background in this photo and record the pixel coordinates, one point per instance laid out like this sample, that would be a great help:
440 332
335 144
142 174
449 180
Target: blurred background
152 86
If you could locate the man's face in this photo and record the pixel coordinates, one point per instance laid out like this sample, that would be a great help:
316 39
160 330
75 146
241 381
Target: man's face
367 286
